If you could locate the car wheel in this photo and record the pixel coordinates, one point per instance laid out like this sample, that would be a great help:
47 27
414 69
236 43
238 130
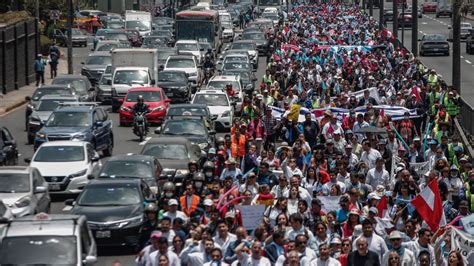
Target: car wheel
108 152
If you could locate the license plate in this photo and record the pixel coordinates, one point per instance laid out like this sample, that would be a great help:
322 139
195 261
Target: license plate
102 234
169 94
435 49
54 187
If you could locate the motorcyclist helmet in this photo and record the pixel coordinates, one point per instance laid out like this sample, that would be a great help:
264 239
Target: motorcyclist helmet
198 180
220 141
151 207
228 86
169 189
140 99
208 165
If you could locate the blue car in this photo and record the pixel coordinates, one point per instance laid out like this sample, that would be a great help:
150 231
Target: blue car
79 121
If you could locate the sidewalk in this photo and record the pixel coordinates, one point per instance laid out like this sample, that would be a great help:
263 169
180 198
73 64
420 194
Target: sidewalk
16 98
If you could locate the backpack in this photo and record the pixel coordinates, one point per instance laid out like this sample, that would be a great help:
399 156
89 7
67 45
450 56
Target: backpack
54 57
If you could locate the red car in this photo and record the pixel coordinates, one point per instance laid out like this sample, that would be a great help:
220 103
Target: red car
429 7
156 100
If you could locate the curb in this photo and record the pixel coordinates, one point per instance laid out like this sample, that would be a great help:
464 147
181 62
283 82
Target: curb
7 109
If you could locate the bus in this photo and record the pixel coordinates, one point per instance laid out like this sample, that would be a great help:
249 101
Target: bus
202 26
279 4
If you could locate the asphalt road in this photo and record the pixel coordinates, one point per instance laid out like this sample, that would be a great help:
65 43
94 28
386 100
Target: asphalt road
442 64
125 142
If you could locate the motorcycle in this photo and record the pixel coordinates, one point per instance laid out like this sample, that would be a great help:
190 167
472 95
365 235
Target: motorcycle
139 125
207 75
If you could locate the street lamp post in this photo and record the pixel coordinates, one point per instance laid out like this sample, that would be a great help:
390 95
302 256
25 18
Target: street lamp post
371 7
403 24
69 36
414 28
381 18
456 27
395 23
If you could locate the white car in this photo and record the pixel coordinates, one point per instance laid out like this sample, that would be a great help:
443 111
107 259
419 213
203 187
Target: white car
186 63
228 32
67 166
219 82
24 191
270 10
219 105
189 47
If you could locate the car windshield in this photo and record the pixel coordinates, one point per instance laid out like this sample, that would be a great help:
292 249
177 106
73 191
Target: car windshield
243 46
107 47
171 77
434 37
131 168
220 84
116 36
227 25
78 84
115 25
50 105
253 36
182 111
184 127
211 99
76 32
104 80
153 41
168 151
47 91
180 63
243 75
60 154
99 60
138 25
42 250
235 59
236 65
69 119
131 77
14 183
110 195
149 96
187 47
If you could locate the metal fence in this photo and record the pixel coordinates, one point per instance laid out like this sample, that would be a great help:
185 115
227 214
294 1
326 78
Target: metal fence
18 49
466 117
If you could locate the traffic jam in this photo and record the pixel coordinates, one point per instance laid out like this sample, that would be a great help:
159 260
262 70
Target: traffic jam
270 133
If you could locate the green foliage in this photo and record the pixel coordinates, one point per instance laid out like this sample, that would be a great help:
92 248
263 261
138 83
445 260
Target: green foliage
45 43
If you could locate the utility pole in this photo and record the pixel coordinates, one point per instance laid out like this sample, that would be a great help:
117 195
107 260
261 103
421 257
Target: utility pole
414 28
403 24
37 10
371 7
457 45
69 36
395 23
381 17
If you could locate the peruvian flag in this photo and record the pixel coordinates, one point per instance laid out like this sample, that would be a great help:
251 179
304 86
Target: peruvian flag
382 207
414 91
430 206
388 34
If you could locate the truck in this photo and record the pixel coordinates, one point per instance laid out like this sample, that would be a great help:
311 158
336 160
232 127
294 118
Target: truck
132 67
139 20
443 9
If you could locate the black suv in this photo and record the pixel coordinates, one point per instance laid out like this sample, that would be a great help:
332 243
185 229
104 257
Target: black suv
79 121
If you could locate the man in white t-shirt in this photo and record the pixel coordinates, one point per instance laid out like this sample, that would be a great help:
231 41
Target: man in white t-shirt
154 257
254 258
324 257
378 175
173 212
375 242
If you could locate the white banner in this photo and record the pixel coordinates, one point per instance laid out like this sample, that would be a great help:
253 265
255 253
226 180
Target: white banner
252 215
420 168
463 242
330 203
468 223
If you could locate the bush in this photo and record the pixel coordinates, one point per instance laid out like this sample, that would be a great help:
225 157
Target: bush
45 43
14 17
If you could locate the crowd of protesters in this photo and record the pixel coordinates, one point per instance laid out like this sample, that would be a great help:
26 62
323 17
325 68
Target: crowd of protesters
345 145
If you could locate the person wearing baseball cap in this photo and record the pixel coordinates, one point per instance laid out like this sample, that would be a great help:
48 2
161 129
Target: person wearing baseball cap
407 256
173 211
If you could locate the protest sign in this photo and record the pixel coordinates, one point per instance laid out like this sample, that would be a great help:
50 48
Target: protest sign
294 113
463 242
420 168
252 215
330 203
468 223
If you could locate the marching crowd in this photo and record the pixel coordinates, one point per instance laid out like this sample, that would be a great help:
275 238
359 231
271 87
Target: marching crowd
361 122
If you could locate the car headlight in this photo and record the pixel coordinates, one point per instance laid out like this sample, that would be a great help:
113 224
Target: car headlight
183 89
182 172
31 106
41 136
159 108
23 202
79 137
203 145
226 114
128 222
125 109
78 174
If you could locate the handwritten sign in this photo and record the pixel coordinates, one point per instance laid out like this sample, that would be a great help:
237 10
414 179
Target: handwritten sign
294 112
252 215
331 203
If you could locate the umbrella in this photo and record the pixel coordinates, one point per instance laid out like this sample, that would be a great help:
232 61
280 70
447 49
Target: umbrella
371 129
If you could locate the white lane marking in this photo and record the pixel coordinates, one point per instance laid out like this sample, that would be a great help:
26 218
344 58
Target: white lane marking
67 208
145 141
467 61
424 23
462 56
421 31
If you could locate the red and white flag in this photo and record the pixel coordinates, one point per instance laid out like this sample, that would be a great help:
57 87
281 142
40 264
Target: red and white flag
382 207
430 206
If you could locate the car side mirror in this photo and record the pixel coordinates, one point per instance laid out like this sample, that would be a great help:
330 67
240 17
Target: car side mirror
99 123
158 130
69 202
419 39
27 160
90 260
27 98
152 82
92 88
109 82
40 189
161 68
8 143
92 50
82 63
90 177
95 158
168 101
